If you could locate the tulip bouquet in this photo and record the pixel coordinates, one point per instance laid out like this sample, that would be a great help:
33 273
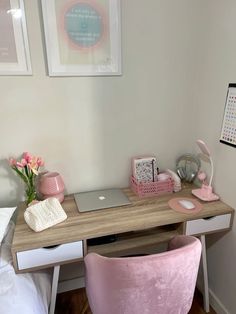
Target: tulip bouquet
27 169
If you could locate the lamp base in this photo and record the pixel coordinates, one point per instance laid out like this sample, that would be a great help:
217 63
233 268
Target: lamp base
205 193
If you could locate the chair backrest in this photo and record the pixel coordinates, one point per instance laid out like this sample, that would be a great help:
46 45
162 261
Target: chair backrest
161 283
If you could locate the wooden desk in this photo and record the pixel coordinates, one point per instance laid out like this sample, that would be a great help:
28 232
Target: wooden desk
145 222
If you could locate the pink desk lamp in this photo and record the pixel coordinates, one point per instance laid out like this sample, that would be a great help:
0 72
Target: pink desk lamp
205 192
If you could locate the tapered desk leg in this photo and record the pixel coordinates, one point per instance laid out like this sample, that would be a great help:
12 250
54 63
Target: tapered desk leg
205 275
54 289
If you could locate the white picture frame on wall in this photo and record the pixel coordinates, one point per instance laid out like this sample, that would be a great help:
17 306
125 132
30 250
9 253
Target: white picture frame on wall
83 37
14 45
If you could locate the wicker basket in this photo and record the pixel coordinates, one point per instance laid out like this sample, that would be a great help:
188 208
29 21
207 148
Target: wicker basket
145 189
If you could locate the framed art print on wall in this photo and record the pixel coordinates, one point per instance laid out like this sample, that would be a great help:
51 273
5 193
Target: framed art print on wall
83 37
14 46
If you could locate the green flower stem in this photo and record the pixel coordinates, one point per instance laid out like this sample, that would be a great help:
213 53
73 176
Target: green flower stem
29 180
26 170
30 194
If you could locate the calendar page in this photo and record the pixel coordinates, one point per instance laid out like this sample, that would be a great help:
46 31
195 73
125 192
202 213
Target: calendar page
228 132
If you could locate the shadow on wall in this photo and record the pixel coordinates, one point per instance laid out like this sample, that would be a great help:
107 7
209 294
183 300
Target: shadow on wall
16 189
212 239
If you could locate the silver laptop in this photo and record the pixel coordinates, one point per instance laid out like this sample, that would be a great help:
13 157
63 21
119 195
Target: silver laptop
94 200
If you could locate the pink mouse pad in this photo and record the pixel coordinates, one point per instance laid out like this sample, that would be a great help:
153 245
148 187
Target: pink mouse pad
174 204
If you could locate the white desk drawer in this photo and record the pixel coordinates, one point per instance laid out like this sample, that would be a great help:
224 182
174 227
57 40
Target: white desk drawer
201 226
46 256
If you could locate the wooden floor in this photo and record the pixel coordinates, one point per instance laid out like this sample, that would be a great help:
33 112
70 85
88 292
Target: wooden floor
73 302
197 306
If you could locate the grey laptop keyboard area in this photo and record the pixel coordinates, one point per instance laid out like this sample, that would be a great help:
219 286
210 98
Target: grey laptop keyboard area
94 200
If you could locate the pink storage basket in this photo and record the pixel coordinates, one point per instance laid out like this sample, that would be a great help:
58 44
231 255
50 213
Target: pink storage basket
145 189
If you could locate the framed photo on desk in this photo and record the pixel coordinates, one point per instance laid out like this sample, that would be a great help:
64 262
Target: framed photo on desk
82 37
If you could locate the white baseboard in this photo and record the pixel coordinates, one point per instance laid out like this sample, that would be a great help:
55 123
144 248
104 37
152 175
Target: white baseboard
214 301
216 304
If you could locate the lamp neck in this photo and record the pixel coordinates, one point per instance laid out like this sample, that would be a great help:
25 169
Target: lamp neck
212 171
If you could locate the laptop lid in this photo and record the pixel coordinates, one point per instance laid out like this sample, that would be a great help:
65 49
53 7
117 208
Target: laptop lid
94 200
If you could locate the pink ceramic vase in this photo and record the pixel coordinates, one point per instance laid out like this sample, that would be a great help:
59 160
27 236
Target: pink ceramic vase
51 185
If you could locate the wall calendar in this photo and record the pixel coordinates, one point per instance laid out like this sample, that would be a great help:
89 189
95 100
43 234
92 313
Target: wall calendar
228 132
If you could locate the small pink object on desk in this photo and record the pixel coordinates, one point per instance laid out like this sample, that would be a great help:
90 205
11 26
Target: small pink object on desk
175 204
205 193
148 189
51 185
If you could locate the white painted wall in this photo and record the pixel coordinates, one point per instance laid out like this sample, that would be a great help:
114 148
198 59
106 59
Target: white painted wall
88 128
218 69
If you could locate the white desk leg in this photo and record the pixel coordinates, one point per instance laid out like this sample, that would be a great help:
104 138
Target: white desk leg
205 275
54 289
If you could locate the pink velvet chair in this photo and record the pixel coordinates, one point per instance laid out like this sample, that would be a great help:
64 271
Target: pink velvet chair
161 283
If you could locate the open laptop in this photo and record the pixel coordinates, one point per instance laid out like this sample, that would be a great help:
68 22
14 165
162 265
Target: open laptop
94 200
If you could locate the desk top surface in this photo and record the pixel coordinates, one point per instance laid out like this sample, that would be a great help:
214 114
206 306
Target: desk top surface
142 214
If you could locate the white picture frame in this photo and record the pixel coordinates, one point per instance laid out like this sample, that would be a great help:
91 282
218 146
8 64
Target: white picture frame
83 37
14 45
228 128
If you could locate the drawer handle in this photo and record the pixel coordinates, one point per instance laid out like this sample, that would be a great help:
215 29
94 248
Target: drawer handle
208 218
51 247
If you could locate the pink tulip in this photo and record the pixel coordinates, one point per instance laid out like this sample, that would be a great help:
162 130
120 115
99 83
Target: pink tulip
23 162
12 162
33 162
40 162
33 165
19 164
35 171
27 157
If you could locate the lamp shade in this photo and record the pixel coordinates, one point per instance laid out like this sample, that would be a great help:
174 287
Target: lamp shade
202 145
